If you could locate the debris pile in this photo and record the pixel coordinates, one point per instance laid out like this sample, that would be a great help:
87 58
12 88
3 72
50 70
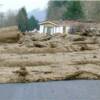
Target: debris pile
40 57
21 74
60 42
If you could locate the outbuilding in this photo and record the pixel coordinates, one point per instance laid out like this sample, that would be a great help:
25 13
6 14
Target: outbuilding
52 27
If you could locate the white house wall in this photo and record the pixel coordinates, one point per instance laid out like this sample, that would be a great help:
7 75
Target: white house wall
59 29
45 29
54 29
41 29
67 29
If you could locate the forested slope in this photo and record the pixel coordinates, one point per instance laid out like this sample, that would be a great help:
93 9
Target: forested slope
84 10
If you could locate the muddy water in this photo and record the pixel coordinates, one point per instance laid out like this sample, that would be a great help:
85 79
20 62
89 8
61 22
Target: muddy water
61 90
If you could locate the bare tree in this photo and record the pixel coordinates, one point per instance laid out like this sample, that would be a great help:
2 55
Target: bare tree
7 19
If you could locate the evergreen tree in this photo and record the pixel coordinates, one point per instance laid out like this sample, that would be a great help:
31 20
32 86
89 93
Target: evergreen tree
32 23
65 10
74 11
22 20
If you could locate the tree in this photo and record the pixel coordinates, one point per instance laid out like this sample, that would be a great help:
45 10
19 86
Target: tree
10 18
32 23
1 20
64 10
56 9
74 11
22 20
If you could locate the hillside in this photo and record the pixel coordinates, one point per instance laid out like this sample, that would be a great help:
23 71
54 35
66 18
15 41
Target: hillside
74 10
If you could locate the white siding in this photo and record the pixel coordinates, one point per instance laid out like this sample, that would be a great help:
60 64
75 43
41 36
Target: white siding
54 29
67 29
59 29
45 31
41 29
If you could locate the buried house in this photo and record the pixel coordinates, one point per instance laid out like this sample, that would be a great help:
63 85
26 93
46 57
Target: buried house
52 27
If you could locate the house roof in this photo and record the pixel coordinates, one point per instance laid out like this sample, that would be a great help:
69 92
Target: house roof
48 22
60 22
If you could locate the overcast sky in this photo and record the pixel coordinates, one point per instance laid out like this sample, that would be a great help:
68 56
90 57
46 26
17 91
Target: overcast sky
16 4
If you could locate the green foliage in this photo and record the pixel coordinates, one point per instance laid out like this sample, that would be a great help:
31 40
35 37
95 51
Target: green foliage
59 3
74 11
25 24
32 23
22 20
65 10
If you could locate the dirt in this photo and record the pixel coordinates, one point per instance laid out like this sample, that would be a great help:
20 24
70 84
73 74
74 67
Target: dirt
38 57
9 34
